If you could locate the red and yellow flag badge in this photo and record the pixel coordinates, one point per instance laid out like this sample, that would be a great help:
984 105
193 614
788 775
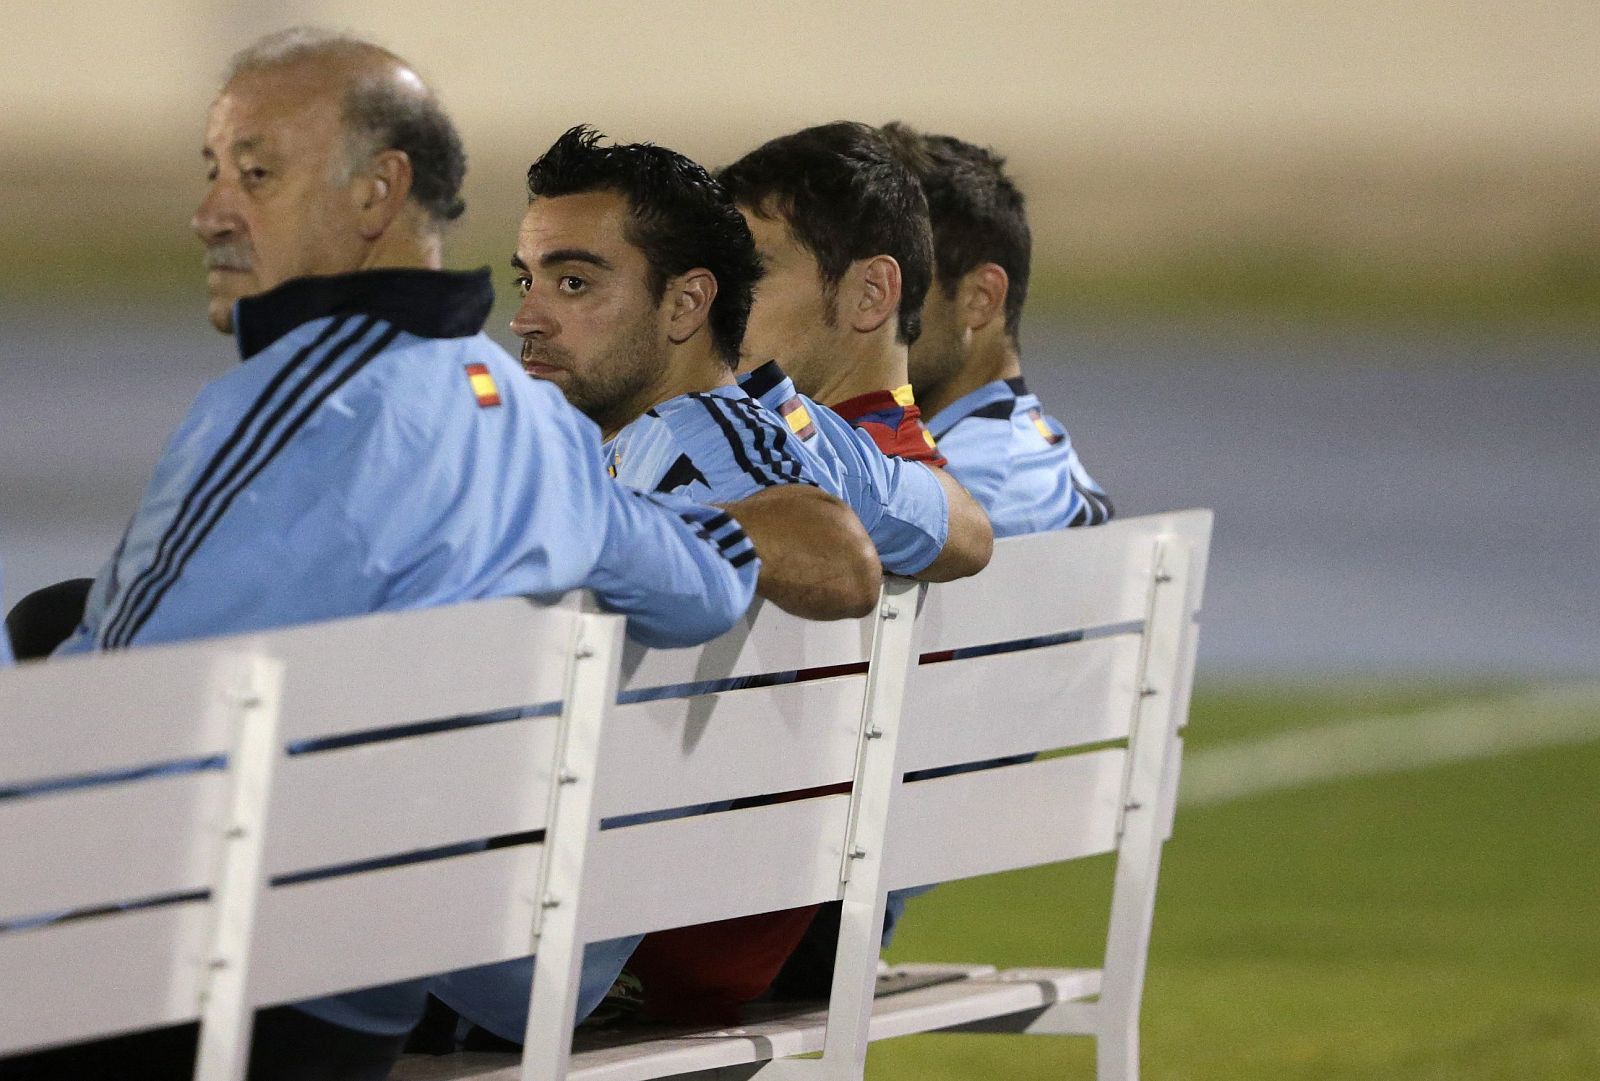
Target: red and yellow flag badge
799 418
1051 436
482 384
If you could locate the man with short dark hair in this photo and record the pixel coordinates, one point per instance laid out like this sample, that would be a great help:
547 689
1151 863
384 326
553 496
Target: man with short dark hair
1014 458
842 228
375 451
637 272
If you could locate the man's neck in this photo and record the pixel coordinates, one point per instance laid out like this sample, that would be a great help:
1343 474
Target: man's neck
877 364
691 368
403 249
986 362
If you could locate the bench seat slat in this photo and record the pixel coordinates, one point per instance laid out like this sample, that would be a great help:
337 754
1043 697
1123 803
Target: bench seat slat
982 708
760 859
1032 813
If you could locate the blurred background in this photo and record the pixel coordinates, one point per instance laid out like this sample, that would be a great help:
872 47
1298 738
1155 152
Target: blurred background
1331 268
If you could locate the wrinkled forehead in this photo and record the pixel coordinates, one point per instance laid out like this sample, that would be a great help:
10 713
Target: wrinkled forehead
278 111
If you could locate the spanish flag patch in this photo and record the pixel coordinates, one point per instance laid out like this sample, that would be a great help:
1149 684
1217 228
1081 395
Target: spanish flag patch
799 418
482 384
1050 435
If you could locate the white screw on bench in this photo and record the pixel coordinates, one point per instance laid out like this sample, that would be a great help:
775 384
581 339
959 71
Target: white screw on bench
283 867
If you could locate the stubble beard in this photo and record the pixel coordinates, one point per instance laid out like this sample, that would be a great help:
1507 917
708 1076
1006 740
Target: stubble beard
611 388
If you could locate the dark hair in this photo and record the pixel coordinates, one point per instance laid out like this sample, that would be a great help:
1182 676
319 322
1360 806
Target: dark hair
845 196
381 112
679 217
977 212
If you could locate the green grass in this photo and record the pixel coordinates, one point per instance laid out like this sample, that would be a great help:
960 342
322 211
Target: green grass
1428 925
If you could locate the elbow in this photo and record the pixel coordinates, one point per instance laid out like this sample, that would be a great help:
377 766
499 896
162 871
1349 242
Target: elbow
860 581
967 550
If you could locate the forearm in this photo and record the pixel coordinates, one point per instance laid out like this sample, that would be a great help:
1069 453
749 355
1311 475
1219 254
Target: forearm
816 559
970 540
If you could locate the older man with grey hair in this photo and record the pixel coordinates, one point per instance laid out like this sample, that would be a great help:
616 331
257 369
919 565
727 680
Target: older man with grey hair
375 451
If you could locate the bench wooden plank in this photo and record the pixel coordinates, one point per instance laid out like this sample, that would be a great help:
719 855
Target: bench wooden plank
760 859
624 1055
67 850
162 704
766 639
1036 812
377 799
1045 592
102 975
675 752
984 708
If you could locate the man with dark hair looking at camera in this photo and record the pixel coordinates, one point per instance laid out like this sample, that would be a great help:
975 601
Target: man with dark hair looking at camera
637 273
375 451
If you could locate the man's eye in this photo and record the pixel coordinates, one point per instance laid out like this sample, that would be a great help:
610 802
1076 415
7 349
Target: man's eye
571 283
524 283
254 175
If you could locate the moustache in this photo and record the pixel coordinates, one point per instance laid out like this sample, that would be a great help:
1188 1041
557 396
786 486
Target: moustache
548 355
227 257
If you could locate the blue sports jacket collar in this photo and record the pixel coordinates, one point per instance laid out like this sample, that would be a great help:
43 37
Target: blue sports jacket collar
427 303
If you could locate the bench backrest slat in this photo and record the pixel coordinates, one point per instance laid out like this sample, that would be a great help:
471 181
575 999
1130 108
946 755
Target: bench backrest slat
1050 697
1032 813
766 639
732 863
1036 589
410 794
677 753
72 849
121 711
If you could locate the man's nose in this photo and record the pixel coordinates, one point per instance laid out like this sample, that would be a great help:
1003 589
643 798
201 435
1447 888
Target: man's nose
533 319
213 219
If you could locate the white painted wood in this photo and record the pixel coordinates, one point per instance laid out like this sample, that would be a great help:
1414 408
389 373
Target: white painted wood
558 891
397 668
982 708
877 782
760 859
766 639
623 1055
82 715
227 1014
1032 813
102 975
337 934
1043 587
678 752
69 849
1146 800
403 795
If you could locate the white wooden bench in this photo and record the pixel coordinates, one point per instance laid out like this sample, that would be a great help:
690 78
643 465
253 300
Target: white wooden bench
274 877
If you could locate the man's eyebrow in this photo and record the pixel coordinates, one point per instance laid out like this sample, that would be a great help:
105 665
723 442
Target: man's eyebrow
574 255
517 263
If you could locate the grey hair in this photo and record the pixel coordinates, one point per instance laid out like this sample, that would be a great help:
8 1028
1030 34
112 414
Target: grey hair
379 114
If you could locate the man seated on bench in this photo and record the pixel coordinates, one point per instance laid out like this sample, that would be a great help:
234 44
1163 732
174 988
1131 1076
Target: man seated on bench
1016 460
636 272
842 230
375 451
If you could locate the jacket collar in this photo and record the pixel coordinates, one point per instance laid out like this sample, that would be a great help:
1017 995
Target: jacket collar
427 303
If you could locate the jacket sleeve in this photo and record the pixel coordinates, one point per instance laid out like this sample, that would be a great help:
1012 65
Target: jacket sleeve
682 573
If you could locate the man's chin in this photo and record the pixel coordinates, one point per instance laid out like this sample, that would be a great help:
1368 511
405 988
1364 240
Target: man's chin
220 311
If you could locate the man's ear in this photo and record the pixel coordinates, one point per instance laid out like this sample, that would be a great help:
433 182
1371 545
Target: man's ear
380 191
871 293
981 295
688 301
